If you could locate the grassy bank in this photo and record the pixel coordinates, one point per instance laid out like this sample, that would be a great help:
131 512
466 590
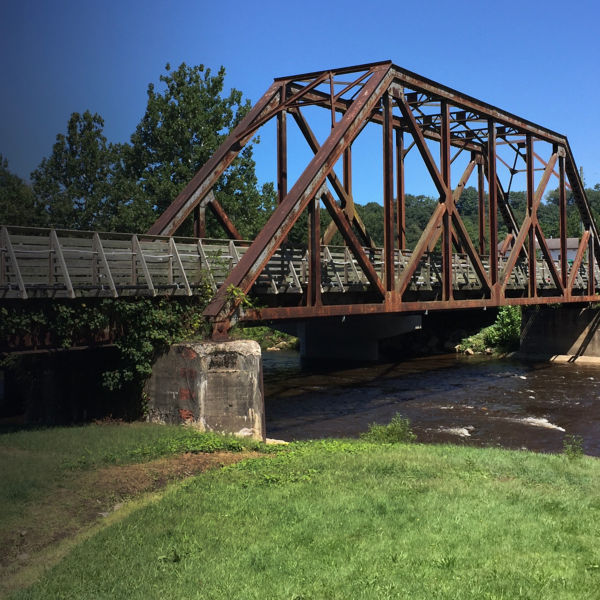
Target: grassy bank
58 482
267 337
352 519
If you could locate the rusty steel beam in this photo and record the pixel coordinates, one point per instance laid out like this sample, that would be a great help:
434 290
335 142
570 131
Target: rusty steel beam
492 204
225 222
388 194
532 216
404 307
562 211
340 189
448 200
529 223
313 293
281 156
307 185
400 193
583 244
351 240
204 180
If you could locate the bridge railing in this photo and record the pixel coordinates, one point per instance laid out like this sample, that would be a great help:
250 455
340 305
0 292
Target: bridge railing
67 264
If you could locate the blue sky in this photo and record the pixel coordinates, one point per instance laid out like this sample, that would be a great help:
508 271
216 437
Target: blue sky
537 60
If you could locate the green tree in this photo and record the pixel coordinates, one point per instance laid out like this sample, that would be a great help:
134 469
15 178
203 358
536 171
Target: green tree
73 185
182 127
17 201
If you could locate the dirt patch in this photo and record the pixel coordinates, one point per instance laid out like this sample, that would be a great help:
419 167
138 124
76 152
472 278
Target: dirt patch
81 500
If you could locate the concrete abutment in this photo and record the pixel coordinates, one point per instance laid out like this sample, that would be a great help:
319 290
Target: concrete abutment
566 330
214 386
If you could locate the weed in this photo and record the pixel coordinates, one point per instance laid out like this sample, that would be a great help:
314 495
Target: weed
503 335
397 430
573 446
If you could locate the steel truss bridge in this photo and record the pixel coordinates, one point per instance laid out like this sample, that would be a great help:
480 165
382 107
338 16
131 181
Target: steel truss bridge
457 138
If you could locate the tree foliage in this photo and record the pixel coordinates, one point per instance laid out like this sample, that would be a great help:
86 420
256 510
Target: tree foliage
73 185
182 127
17 201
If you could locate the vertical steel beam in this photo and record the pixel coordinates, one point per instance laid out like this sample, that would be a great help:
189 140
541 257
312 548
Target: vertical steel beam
591 282
492 203
314 249
531 213
562 209
200 221
281 155
388 192
447 219
400 194
481 205
332 93
347 174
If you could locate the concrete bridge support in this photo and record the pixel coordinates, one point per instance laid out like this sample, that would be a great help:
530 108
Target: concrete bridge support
210 385
562 330
351 337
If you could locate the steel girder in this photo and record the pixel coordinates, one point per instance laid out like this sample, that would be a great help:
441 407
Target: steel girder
406 105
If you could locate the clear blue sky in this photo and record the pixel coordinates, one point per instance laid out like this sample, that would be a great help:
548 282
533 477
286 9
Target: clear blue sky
539 60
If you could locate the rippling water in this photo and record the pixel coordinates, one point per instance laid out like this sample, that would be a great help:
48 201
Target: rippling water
451 398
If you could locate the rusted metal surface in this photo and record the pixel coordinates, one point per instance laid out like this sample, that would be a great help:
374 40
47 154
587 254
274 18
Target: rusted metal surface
461 141
408 105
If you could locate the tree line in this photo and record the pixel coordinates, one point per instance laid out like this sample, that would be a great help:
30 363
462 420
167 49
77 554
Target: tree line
90 183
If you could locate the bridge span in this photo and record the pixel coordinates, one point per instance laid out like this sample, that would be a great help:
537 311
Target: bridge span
458 140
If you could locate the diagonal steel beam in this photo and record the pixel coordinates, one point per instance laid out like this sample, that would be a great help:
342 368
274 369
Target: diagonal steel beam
305 188
339 218
204 180
430 234
528 222
415 131
225 222
337 185
583 244
548 258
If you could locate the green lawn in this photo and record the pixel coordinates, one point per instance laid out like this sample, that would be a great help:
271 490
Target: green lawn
32 461
348 520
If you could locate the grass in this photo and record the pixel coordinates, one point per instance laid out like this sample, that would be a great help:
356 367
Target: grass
58 482
31 462
352 519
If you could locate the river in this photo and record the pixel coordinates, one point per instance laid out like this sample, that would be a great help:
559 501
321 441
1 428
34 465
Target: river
473 400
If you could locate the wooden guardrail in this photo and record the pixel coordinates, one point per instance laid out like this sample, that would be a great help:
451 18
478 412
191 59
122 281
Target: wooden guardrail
68 264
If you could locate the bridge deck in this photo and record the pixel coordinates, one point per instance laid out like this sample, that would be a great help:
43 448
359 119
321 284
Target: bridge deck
46 263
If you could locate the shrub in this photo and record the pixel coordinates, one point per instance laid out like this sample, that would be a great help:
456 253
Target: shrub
573 446
504 334
397 430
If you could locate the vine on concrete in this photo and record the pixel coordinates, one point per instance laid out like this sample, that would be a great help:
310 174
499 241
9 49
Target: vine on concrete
142 328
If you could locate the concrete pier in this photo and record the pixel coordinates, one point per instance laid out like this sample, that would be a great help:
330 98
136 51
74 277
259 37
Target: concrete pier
562 330
349 338
215 386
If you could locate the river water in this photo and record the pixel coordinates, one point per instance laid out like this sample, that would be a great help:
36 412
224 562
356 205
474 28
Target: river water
451 398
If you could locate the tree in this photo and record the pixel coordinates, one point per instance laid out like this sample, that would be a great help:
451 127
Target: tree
17 202
182 127
73 185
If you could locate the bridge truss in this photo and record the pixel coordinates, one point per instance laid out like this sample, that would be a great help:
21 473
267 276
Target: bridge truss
415 115
457 139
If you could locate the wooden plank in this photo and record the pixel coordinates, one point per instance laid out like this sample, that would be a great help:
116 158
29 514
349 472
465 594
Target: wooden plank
139 257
